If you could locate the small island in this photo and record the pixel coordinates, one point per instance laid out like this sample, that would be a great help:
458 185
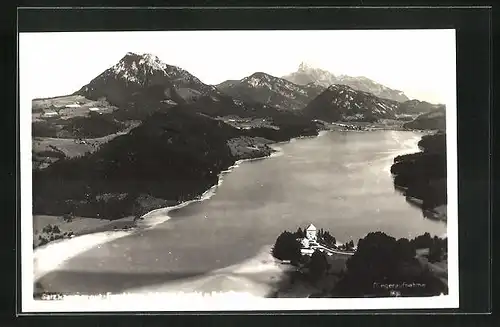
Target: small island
379 266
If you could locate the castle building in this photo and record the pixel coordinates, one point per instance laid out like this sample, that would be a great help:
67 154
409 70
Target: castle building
311 233
309 242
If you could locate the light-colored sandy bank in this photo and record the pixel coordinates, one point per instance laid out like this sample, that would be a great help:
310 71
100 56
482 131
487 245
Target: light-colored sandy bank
90 233
52 255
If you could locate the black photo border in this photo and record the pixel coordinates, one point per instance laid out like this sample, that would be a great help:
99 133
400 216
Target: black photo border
474 102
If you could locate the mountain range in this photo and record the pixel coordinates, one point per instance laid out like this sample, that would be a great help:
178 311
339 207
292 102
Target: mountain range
271 90
343 103
189 133
166 135
135 74
359 103
145 79
139 85
306 74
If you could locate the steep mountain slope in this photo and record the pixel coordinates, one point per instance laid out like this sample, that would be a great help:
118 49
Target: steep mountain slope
306 74
145 77
365 84
342 103
434 120
271 90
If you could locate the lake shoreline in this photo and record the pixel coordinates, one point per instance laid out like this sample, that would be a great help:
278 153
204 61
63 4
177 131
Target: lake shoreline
429 165
160 215
83 241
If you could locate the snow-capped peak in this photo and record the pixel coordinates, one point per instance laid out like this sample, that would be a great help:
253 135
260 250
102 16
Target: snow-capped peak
152 61
136 71
135 67
133 60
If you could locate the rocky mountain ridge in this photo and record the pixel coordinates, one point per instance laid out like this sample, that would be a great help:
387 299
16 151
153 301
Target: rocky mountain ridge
135 75
306 74
271 90
343 103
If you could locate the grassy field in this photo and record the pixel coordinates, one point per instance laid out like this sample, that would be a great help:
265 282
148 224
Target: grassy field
70 147
68 106
73 116
77 226
73 147
47 150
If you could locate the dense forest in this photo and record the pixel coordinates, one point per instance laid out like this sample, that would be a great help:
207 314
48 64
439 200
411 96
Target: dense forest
422 175
174 155
379 260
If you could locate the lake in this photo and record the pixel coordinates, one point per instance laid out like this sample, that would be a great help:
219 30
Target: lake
339 181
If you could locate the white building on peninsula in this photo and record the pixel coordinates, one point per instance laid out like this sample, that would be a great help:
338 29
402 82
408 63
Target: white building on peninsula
311 233
309 241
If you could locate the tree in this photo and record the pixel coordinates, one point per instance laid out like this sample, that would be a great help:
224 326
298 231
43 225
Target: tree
287 247
436 253
405 249
68 217
318 265
56 229
329 240
300 233
47 229
381 259
422 241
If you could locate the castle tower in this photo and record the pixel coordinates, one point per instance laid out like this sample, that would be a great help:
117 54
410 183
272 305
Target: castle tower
311 232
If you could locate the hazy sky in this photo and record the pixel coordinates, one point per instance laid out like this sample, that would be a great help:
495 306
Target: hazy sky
419 62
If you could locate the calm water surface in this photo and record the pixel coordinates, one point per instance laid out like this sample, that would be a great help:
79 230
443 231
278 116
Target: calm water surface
339 181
